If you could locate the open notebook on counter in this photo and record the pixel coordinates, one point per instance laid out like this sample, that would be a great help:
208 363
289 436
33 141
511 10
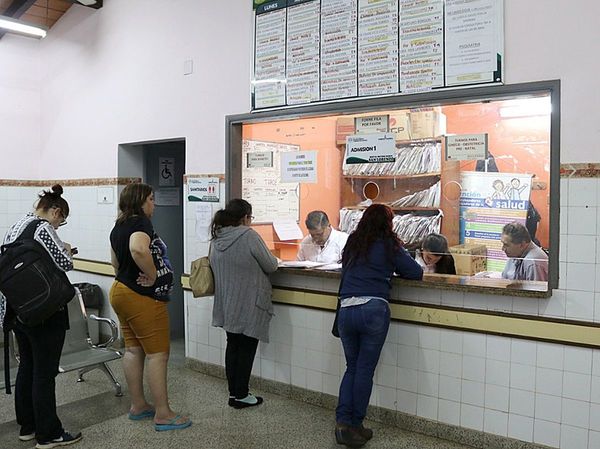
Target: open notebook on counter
299 264
310 264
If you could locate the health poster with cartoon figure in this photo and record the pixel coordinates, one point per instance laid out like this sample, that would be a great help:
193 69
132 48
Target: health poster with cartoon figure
487 202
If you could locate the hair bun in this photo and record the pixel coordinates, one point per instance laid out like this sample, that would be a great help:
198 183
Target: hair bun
57 189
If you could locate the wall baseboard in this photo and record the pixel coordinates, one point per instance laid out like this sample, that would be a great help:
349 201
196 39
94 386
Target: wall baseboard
411 423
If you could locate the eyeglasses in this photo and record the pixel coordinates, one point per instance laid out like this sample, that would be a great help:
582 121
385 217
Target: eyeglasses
64 219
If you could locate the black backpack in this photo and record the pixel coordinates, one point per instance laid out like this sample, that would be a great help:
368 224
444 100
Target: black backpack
34 287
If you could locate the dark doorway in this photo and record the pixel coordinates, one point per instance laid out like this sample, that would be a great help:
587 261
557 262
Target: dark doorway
162 165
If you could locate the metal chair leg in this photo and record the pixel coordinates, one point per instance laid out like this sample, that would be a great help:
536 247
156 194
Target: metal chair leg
82 371
104 367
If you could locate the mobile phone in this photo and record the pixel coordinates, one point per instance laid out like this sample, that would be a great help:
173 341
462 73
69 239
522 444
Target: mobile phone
74 251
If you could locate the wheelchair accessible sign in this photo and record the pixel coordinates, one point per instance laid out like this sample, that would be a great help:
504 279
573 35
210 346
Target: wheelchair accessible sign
370 148
203 189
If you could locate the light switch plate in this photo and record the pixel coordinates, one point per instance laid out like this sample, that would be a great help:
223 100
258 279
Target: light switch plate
188 66
106 195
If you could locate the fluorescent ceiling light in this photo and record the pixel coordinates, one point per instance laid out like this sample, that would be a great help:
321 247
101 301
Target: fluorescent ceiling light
526 107
87 2
17 26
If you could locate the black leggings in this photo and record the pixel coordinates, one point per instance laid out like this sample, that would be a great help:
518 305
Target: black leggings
239 357
40 348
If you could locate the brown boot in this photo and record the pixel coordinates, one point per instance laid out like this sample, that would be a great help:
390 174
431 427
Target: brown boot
364 432
349 436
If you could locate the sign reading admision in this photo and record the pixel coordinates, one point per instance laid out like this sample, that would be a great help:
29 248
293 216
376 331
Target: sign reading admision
203 189
370 148
467 147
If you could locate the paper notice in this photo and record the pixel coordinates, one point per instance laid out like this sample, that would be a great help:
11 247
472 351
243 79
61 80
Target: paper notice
203 219
287 230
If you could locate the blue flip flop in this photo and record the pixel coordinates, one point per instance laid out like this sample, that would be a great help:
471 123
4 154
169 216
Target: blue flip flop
172 424
142 415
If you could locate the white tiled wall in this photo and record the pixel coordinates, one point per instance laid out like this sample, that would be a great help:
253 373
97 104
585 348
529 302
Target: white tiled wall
532 391
89 222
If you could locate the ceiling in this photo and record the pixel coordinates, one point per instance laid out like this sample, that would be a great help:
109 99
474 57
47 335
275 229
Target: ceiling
41 12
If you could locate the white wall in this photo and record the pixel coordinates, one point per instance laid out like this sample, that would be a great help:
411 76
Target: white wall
116 76
19 107
549 39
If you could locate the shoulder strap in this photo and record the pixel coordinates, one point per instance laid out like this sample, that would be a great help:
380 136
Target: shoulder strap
29 232
6 362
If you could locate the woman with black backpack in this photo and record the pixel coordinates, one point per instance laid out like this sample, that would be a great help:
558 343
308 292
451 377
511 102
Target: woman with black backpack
40 345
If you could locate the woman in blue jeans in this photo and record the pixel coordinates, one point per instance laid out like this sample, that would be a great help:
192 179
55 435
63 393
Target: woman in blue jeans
370 258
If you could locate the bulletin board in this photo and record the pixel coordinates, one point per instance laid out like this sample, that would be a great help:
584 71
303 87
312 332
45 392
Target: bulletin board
308 51
270 198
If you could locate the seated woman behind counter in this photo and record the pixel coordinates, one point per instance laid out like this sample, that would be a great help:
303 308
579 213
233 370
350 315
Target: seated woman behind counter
434 256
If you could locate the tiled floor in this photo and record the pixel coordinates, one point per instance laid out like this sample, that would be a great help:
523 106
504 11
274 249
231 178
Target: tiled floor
279 423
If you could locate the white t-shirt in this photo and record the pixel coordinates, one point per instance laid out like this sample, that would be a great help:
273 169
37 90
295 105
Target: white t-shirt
331 252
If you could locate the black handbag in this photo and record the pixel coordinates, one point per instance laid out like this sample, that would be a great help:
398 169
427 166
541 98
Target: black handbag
334 328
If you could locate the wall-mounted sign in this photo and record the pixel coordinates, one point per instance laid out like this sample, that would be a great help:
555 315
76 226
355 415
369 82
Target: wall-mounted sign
166 171
371 124
204 189
467 147
299 166
474 43
167 196
306 51
488 201
369 148
259 159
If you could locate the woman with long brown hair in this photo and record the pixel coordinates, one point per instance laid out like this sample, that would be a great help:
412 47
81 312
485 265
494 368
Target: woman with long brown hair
139 297
370 258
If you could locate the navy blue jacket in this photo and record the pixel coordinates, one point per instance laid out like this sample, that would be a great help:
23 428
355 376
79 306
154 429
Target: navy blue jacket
371 276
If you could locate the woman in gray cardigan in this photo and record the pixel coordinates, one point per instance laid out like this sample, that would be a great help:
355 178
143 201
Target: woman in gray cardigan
240 262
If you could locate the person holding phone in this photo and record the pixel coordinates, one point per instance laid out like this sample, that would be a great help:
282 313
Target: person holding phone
40 346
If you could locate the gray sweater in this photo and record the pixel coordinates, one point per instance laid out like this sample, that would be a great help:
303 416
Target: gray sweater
240 262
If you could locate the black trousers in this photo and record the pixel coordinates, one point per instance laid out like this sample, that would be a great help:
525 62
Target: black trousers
239 357
35 400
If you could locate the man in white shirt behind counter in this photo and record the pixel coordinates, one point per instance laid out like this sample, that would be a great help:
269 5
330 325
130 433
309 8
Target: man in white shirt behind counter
527 261
323 244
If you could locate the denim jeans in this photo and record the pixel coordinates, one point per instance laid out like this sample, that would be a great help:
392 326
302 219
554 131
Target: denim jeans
363 330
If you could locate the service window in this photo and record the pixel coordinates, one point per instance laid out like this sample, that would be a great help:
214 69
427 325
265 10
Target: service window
471 181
